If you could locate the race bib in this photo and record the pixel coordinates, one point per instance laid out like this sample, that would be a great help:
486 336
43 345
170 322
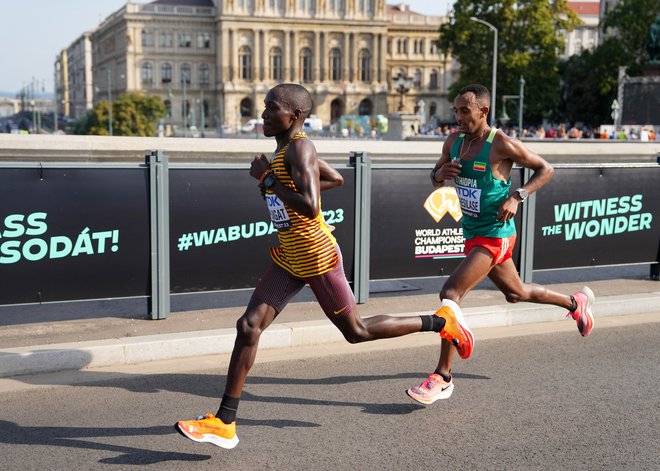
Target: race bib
278 213
470 199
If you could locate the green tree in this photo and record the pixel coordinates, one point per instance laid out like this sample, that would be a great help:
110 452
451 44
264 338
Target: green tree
590 84
631 21
590 80
528 45
132 115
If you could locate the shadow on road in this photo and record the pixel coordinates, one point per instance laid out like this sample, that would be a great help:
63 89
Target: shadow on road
79 437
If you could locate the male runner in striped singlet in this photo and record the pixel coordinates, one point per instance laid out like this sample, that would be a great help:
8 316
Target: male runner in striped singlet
291 182
479 160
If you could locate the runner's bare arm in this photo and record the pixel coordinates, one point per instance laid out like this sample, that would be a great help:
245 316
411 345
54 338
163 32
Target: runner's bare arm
330 178
444 168
302 163
521 155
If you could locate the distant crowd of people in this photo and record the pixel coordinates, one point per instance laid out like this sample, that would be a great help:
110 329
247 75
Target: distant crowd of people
561 131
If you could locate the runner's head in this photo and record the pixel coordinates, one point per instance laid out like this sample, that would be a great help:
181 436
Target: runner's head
471 107
286 106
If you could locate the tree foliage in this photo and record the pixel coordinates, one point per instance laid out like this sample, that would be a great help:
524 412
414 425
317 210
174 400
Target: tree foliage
528 45
132 115
590 80
632 21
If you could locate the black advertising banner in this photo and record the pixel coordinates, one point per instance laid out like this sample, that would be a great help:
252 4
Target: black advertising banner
415 228
220 229
598 216
73 233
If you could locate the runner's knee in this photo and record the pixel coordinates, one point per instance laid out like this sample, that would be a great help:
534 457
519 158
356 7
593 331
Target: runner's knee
248 331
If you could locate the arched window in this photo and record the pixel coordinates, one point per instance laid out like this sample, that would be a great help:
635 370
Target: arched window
166 73
417 78
433 80
366 107
185 73
305 65
336 110
364 61
245 63
147 73
335 65
204 74
246 108
275 61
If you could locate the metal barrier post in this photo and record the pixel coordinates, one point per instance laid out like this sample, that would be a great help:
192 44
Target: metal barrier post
527 233
362 163
160 235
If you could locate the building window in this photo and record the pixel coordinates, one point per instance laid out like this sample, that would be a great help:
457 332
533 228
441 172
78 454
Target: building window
147 73
166 73
165 39
335 65
204 74
433 47
185 73
246 108
364 61
433 80
245 63
366 107
275 62
168 108
147 38
305 65
417 78
185 39
204 41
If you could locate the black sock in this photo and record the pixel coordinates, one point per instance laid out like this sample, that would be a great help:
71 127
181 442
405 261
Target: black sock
574 306
228 408
446 377
432 323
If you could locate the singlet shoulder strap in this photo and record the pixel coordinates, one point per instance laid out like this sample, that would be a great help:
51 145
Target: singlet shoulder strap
491 136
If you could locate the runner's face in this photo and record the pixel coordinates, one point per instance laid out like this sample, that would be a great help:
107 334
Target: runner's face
277 114
469 116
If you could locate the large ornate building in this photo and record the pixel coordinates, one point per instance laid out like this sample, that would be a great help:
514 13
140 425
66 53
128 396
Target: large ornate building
214 60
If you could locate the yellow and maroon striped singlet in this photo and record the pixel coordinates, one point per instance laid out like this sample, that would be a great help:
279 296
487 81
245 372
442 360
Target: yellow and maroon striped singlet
307 248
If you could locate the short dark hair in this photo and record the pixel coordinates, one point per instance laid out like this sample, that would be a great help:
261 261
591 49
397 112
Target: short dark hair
297 96
481 93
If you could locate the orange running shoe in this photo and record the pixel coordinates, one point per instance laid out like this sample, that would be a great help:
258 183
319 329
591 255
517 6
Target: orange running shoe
209 429
455 329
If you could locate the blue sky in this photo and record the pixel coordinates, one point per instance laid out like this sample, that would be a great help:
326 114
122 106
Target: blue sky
34 31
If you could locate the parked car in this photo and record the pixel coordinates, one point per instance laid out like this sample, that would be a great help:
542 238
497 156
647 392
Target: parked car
252 124
313 123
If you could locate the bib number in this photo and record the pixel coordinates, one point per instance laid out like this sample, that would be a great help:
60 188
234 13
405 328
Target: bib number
278 213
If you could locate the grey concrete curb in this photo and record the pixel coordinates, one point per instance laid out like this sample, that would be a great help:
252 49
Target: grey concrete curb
132 350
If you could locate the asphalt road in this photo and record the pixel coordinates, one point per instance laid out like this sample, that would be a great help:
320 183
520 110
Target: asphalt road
547 400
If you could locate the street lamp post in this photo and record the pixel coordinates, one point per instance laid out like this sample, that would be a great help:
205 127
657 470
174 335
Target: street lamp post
109 101
403 85
493 92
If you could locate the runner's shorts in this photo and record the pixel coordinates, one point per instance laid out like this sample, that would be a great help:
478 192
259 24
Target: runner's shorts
277 287
501 249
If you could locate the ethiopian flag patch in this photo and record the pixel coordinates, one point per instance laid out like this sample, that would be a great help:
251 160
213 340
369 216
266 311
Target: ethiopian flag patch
479 166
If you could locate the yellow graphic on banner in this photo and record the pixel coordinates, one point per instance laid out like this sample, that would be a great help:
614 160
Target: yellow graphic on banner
443 201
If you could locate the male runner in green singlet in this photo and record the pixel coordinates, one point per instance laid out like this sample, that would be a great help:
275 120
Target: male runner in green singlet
479 160
291 182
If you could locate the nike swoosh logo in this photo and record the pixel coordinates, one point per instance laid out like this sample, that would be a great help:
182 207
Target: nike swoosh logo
341 310
443 389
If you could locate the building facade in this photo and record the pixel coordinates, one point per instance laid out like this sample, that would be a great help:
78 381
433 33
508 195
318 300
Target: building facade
213 61
585 36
